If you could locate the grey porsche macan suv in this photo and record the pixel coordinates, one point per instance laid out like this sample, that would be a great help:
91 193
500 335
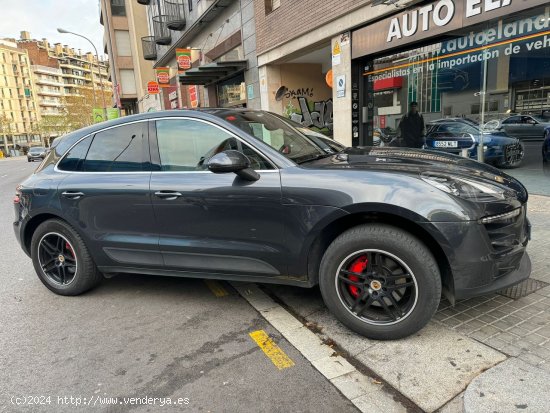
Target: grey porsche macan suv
244 195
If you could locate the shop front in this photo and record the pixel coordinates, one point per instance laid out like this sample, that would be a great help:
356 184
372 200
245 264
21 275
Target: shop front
477 71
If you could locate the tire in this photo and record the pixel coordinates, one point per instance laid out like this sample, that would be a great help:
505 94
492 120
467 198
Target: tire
79 271
28 160
399 253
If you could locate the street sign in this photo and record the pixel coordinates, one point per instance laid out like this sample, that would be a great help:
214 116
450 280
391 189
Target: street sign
153 88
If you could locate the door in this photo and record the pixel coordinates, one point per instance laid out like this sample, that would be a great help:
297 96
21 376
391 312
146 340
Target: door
106 196
214 223
512 126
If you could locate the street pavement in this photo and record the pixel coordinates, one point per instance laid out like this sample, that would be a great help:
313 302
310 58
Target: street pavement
137 337
534 174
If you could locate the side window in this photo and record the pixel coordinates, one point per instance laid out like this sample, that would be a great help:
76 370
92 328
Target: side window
119 149
75 157
512 120
187 145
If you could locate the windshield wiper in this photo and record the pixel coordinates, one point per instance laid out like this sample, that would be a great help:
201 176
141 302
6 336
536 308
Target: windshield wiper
316 157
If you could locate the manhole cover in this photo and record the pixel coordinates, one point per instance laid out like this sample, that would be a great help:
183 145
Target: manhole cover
523 289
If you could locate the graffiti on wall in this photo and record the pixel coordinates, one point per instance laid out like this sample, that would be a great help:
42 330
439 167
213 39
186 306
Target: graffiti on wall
311 114
296 93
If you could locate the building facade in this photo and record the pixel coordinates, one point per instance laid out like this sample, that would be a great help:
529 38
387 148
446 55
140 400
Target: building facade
368 60
19 115
65 78
125 23
219 36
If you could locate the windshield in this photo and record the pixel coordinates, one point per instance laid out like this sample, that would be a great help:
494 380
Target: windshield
269 129
36 149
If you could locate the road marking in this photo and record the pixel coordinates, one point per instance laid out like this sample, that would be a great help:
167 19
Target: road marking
271 350
3 176
216 288
361 389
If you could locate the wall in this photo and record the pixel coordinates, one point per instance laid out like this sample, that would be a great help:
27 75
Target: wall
308 99
295 18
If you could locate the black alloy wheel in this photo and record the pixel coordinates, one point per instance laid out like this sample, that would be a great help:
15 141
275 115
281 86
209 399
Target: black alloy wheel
57 258
377 287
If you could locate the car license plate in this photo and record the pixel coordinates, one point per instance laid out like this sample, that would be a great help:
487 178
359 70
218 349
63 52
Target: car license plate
446 144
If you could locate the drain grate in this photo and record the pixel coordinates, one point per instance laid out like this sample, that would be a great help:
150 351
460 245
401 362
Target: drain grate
523 289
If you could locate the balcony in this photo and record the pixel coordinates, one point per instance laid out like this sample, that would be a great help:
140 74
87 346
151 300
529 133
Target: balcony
48 82
175 14
149 48
161 31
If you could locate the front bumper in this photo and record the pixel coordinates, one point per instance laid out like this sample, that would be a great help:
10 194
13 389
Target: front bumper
484 259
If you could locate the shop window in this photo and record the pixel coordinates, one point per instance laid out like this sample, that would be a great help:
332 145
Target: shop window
271 5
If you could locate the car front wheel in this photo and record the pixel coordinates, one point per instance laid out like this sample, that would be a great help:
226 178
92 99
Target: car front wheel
61 259
380 281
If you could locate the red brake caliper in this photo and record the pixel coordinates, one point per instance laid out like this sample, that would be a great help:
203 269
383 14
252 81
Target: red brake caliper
358 266
68 246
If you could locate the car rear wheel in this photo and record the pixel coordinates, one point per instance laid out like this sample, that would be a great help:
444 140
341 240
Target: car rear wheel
380 281
61 259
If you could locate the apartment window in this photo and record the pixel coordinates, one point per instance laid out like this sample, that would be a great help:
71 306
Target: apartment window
122 39
128 81
118 8
271 5
190 2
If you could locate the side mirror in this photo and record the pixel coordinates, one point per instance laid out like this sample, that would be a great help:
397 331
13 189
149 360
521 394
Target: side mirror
232 161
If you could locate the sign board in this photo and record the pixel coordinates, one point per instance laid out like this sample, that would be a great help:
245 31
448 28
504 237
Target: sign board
194 96
163 76
153 88
112 113
432 19
98 115
340 86
336 53
250 92
329 78
183 59
173 95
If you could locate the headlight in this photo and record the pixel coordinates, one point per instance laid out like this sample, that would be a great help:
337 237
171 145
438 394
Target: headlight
507 218
465 188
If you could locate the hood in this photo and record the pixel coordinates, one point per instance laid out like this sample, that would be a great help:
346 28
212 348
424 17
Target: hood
414 162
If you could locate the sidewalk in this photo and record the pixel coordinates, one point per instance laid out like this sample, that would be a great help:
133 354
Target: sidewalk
487 354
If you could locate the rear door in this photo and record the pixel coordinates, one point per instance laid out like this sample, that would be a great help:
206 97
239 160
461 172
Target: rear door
215 223
106 196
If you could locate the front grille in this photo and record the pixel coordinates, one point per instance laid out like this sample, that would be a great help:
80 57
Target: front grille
506 239
513 152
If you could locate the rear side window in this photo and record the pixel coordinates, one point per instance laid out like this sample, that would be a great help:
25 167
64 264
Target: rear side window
75 157
119 149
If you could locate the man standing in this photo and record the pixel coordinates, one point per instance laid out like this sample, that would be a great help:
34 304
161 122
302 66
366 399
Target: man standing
411 128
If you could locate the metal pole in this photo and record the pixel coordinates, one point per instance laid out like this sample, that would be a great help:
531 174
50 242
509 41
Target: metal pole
480 153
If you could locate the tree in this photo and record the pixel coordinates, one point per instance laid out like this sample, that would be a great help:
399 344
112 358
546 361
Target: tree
5 129
52 125
80 106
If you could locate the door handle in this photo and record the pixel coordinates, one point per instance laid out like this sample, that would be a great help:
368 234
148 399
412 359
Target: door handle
72 194
168 195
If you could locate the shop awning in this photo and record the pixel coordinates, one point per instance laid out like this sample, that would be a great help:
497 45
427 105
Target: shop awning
213 72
